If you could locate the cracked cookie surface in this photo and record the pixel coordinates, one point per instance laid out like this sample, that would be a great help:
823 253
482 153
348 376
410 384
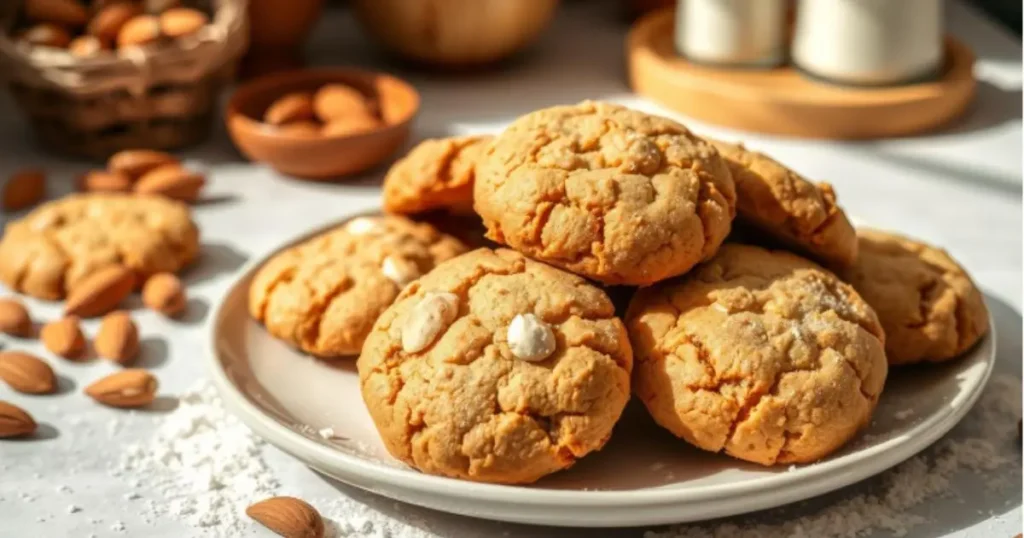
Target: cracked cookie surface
323 295
54 247
438 174
758 353
788 207
928 305
607 192
465 406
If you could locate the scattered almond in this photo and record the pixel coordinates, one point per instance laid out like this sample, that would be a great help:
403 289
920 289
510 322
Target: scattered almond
25 188
127 388
106 25
118 338
62 12
182 21
26 373
63 337
299 128
100 292
14 318
104 181
336 101
288 517
290 108
140 30
85 46
351 125
14 421
172 181
136 162
164 293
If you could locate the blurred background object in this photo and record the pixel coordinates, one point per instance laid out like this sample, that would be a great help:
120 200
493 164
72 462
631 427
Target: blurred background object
278 30
737 33
455 33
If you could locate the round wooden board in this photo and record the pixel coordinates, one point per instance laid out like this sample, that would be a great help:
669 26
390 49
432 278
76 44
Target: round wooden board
784 101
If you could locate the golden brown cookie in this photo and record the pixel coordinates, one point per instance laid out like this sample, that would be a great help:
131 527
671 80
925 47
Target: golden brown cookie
606 192
759 353
496 368
323 295
54 247
928 306
438 174
789 208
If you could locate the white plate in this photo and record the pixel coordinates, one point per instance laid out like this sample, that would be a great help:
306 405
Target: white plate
644 476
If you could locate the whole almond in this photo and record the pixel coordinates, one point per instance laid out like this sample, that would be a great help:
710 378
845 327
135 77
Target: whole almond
290 108
172 181
26 373
182 21
14 318
63 337
300 128
104 181
136 162
140 30
85 46
62 12
106 25
25 188
118 338
127 388
351 125
164 293
288 517
14 421
336 101
100 292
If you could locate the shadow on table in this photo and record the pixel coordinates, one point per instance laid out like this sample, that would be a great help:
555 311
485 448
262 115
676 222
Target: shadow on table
214 260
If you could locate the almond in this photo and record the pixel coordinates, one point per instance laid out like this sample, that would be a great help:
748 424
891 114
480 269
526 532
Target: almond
164 293
46 35
182 21
140 30
288 517
62 12
14 318
299 128
172 181
100 292
336 101
118 338
110 19
104 181
127 388
85 46
63 337
290 108
351 125
136 162
26 373
14 421
24 189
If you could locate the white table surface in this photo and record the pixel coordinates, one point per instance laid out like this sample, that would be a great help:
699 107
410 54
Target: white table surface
959 188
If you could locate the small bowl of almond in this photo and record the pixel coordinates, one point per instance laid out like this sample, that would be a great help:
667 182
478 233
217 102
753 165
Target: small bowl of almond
322 123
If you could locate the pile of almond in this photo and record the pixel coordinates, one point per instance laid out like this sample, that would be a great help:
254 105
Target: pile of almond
90 28
331 110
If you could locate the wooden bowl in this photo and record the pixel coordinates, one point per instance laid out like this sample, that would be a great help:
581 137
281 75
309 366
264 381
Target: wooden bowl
321 157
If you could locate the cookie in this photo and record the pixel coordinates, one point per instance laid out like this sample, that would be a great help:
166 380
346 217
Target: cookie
496 368
783 204
58 244
761 354
928 306
438 174
323 295
606 192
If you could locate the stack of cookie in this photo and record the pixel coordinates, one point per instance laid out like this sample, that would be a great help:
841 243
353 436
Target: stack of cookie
763 325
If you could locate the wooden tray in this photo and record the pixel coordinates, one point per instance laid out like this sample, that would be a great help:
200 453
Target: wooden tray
784 101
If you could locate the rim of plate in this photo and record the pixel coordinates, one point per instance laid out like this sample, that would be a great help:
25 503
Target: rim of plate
839 472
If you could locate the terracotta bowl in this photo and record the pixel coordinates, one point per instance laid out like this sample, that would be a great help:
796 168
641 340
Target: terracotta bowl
317 156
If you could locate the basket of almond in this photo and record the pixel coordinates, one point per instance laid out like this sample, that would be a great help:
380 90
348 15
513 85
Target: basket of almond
98 76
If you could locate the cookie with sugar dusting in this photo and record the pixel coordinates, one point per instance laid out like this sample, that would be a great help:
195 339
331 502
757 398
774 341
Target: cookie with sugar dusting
324 294
759 354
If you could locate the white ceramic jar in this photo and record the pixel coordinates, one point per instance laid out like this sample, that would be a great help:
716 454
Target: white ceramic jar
871 42
732 32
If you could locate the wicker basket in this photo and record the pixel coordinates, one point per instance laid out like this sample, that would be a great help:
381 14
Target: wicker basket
160 97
